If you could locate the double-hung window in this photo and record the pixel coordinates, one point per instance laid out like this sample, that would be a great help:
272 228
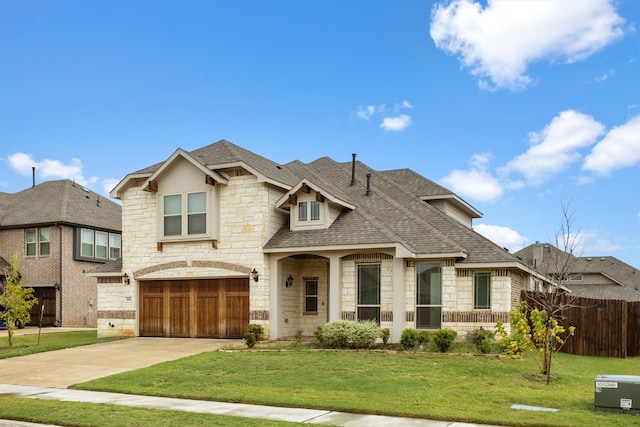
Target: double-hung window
185 214
38 241
311 296
482 291
369 292
309 211
428 295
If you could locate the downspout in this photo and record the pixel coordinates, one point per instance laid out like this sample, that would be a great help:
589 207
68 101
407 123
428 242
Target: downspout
60 278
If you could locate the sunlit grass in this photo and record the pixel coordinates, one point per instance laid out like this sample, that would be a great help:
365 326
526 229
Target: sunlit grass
462 387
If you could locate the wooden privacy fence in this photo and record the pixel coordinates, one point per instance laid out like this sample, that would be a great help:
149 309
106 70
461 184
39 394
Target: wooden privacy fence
604 328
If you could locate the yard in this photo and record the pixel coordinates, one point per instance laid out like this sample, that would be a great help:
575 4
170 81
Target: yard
456 387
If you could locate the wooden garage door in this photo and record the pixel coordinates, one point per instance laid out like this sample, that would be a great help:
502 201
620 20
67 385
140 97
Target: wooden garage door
47 298
194 308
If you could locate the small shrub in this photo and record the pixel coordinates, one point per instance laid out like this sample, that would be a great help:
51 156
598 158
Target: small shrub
443 338
483 340
385 334
348 334
425 337
254 334
410 338
250 339
258 330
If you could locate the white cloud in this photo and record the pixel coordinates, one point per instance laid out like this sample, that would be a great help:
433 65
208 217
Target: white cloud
475 183
108 184
50 169
396 123
500 40
605 76
403 105
620 148
503 236
556 146
366 112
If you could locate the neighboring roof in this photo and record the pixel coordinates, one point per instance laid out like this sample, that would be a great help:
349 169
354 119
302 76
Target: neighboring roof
112 268
622 280
62 202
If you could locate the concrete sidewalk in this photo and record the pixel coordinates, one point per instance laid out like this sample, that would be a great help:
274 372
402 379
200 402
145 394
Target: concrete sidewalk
297 415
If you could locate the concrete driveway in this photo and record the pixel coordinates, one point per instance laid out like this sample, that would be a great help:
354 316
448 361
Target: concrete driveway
62 368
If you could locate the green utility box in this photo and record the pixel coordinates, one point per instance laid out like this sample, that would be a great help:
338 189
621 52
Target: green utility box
618 393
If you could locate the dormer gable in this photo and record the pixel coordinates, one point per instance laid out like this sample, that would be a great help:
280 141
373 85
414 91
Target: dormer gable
169 167
311 208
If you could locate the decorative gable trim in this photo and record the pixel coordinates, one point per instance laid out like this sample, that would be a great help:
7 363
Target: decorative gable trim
210 177
306 186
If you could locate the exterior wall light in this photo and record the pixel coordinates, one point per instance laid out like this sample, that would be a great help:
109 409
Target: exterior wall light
289 282
254 274
125 279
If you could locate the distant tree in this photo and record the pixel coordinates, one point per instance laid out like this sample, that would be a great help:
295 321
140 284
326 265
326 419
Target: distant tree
15 300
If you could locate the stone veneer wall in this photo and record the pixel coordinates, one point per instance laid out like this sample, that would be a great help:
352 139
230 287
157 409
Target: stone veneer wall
242 210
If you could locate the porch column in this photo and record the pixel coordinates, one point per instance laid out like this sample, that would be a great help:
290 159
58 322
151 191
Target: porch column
334 288
398 299
274 298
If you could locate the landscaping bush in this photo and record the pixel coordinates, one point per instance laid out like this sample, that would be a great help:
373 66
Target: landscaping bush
385 334
443 338
483 340
253 334
348 334
410 338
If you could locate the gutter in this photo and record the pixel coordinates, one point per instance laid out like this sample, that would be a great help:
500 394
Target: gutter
60 277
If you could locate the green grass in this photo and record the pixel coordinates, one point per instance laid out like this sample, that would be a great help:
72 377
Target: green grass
462 387
28 344
99 415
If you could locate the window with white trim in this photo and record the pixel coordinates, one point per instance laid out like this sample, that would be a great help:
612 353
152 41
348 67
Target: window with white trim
309 211
96 245
482 290
38 241
185 215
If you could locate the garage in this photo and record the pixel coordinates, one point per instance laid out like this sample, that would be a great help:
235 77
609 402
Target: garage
198 308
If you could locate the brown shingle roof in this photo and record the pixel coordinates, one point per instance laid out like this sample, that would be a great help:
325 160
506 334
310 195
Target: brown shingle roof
61 201
390 214
619 280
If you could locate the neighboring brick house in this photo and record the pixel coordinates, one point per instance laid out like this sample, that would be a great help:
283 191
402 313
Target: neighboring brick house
219 237
602 277
61 230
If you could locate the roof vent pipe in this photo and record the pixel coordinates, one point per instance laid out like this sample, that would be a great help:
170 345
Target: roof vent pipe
33 175
353 170
368 184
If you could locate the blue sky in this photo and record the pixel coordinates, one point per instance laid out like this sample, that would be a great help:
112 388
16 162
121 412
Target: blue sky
518 107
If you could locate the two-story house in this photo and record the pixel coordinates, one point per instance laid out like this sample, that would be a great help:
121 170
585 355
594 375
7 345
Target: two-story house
598 277
61 230
219 237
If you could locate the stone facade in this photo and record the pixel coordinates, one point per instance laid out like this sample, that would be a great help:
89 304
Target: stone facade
246 210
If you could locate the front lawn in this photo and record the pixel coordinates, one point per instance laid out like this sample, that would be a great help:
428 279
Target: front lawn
28 344
462 387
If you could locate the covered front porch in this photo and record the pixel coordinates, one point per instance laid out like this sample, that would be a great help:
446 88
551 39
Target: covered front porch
308 290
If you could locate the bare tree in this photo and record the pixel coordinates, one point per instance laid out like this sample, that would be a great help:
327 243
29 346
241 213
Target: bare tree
548 306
